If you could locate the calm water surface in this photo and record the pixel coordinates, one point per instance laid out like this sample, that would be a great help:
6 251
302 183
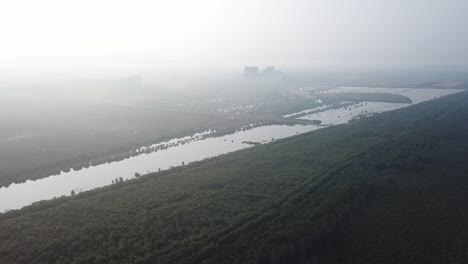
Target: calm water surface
19 195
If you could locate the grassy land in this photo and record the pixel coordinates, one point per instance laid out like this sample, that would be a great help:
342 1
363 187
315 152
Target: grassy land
41 137
390 188
64 136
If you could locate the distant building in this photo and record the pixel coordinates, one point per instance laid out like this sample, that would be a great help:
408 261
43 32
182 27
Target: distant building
251 72
269 72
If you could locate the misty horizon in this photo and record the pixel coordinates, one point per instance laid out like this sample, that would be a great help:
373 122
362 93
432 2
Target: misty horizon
55 37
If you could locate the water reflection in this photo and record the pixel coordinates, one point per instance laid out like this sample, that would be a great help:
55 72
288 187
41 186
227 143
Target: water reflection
19 195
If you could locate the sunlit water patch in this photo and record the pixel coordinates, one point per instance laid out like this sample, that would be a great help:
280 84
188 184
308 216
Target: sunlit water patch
417 95
345 114
422 95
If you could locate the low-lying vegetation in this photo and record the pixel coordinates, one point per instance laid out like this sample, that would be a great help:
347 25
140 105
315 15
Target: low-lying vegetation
384 189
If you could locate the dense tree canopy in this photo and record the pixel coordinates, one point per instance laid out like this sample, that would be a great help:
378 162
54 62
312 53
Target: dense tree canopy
386 189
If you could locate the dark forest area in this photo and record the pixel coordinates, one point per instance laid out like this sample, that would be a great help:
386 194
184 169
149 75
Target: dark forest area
390 188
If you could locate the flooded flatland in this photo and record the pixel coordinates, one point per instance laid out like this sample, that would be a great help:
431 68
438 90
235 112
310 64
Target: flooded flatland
182 151
347 111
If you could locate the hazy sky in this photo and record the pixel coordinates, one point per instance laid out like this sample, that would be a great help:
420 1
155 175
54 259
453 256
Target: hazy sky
234 32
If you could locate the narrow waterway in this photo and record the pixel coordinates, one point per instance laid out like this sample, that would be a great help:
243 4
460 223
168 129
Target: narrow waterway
19 195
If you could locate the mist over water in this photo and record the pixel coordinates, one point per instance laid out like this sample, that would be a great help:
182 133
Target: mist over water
75 92
233 131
